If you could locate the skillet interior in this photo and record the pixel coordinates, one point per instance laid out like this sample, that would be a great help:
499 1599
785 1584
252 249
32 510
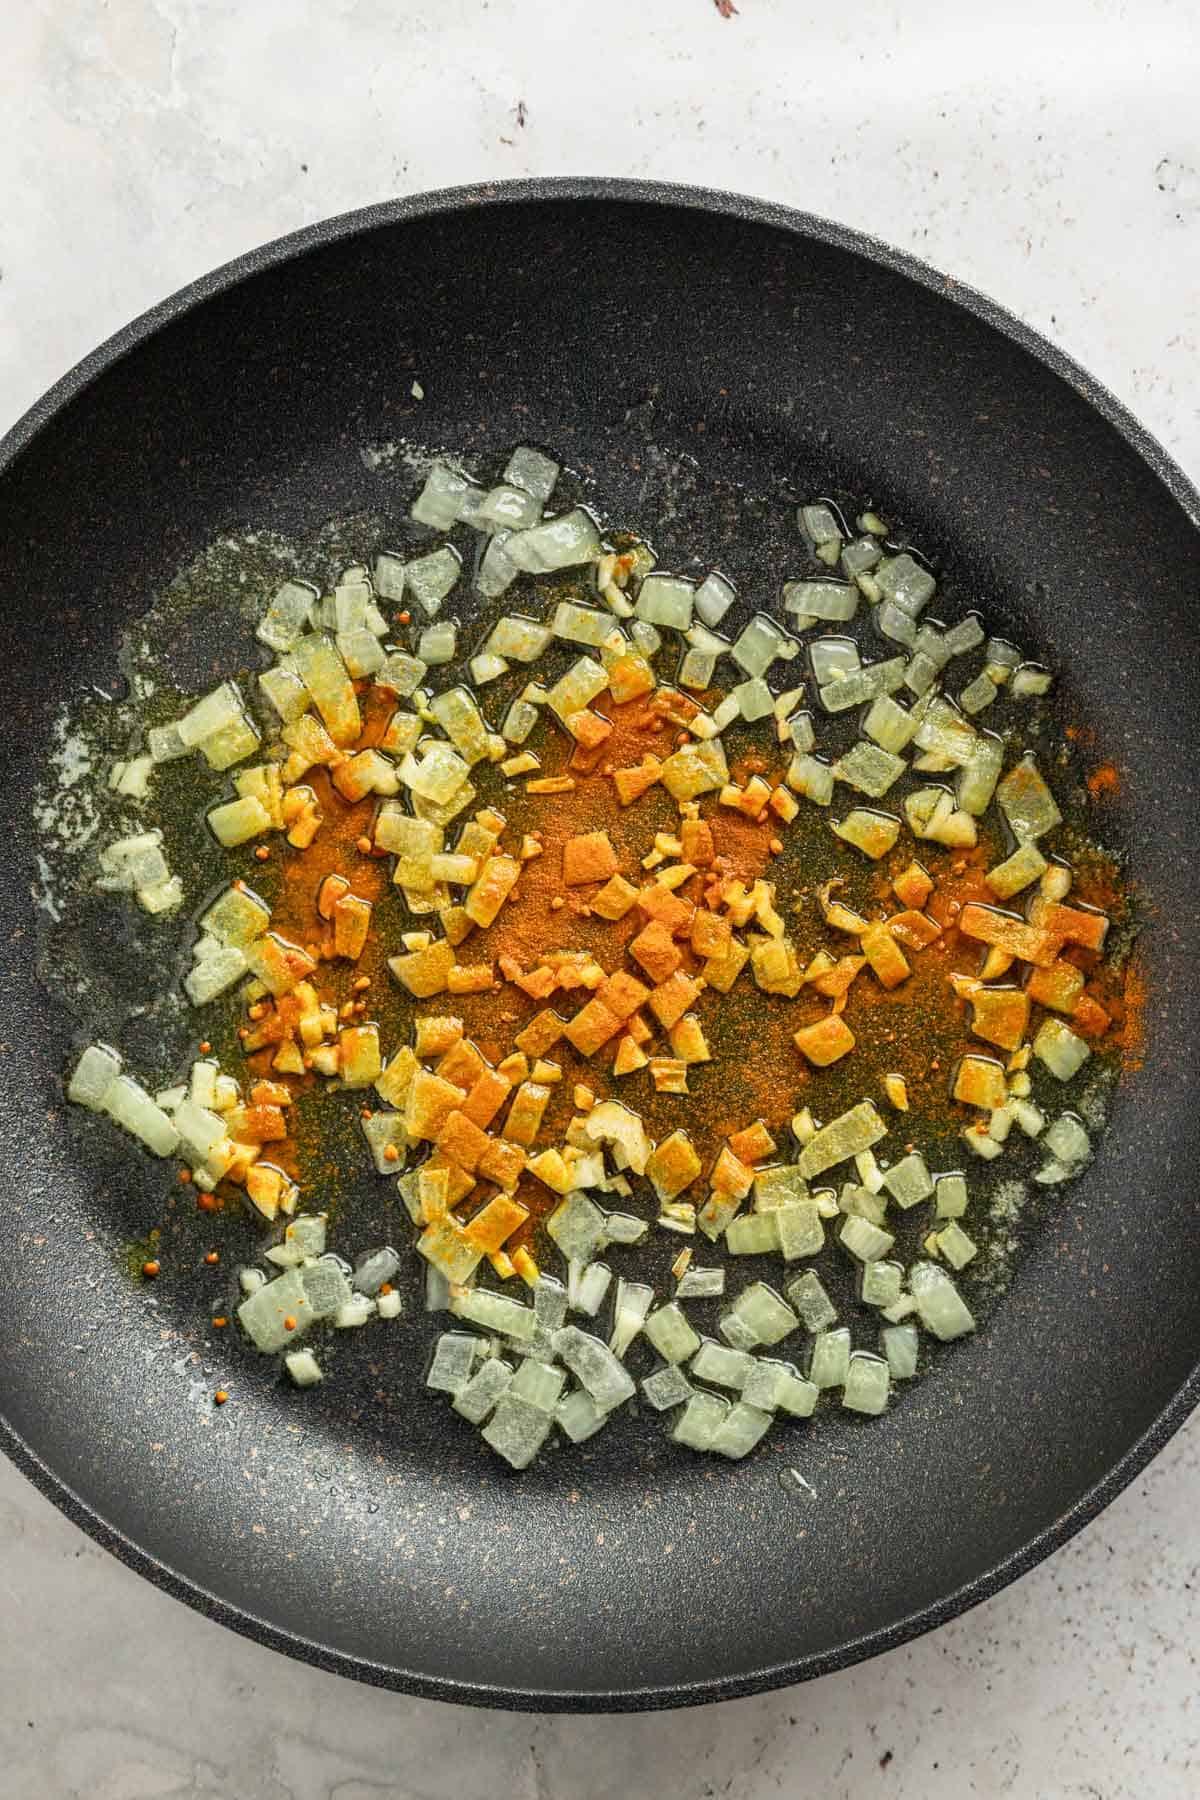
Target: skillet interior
365 1533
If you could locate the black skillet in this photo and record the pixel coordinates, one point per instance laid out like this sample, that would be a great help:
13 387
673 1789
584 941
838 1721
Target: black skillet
355 1527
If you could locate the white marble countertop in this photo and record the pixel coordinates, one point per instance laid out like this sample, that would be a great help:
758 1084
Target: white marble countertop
1048 155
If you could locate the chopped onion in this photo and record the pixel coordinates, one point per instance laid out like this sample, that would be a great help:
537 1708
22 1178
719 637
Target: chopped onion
899 1344
1067 1140
671 1333
517 1430
559 543
879 1283
519 640
594 1366
1029 680
829 1360
128 1104
579 1416
953 1243
263 1313
754 699
740 1430
855 1130
93 1077
905 583
497 571
864 1240
827 600
867 1383
713 598
437 644
696 671
909 1181
760 643
1027 802
819 525
809 776
505 507
889 724
442 500
869 769
533 471
592 1287
940 1307
634 1300
667 1388
761 1311
1060 1049
495 1312
950 1197
860 556
580 624
700 1421
476 1399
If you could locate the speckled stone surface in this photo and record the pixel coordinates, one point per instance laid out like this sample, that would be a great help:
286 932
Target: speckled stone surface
140 145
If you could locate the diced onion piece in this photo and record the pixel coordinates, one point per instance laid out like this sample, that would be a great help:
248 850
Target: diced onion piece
940 1307
667 1388
867 1384
900 1347
93 1076
222 708
754 699
826 600
666 600
909 1181
1029 680
215 974
760 643
814 779
865 1241
858 1129
671 1333
829 1360
700 1421
595 1366
1067 1140
444 497
740 1430
819 524
633 1303
1027 802
954 1244
437 643
165 744
560 543
713 598
402 673
129 1105
810 1300
519 640
871 832
580 624
905 583
1060 1049
237 821
533 471
889 724
303 1367
276 1313
288 616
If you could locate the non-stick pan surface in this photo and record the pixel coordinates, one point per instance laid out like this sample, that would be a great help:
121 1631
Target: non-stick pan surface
354 1526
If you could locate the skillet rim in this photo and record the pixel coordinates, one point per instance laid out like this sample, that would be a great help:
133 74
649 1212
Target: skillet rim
1144 445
